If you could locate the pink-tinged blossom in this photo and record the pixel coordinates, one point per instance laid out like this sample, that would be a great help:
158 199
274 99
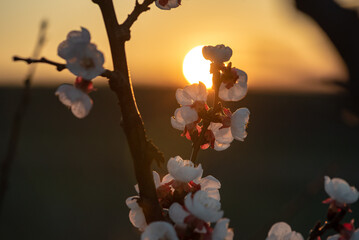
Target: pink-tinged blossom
136 215
183 116
193 100
221 230
167 4
211 185
203 207
82 57
191 94
222 136
282 231
188 178
183 170
159 231
178 214
234 88
233 126
340 191
75 97
217 54
239 121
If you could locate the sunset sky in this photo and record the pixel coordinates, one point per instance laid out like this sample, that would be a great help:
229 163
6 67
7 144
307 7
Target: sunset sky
277 46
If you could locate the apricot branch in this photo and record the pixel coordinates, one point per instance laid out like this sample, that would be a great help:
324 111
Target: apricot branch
59 66
143 151
139 8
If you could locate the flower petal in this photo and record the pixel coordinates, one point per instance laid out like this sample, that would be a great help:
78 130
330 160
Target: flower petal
183 170
239 121
279 230
221 231
282 231
340 191
79 102
238 91
87 62
221 146
203 207
177 213
158 231
217 54
136 215
210 185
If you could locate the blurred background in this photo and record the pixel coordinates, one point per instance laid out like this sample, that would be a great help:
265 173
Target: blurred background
70 177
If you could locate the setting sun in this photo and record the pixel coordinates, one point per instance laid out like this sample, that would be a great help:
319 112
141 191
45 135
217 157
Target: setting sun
196 67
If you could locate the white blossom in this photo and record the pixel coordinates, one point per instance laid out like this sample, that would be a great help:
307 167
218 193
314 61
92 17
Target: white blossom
77 100
192 93
183 170
177 213
282 231
236 90
136 215
239 121
183 116
217 54
221 230
159 231
74 38
223 136
355 236
167 4
233 127
210 185
203 207
193 100
340 191
82 57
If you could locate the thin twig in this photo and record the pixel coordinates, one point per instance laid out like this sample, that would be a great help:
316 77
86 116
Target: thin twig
197 145
17 121
206 122
318 230
139 8
59 66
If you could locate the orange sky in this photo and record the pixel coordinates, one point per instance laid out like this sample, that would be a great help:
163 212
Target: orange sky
278 47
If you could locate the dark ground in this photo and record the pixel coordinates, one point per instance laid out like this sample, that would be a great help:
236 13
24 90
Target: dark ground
71 177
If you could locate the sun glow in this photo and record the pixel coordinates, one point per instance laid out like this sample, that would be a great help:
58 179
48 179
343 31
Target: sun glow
196 67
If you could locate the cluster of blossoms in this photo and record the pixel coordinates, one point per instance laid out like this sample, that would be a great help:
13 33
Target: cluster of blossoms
340 196
86 62
219 124
190 202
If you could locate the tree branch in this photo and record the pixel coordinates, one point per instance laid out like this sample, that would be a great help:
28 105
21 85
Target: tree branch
143 151
19 115
318 230
139 8
216 82
59 66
